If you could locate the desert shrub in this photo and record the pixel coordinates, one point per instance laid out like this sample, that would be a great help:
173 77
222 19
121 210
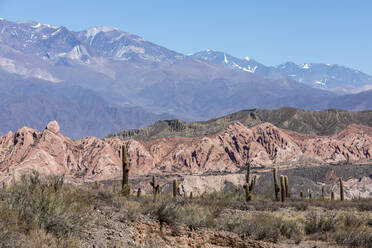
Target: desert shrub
352 219
360 237
290 229
34 204
165 211
263 226
130 209
260 226
193 216
319 222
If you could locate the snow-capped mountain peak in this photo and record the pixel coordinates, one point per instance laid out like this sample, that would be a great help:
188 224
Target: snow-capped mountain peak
326 76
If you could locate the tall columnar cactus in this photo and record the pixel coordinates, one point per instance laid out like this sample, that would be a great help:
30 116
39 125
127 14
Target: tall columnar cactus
341 189
286 187
125 187
302 194
323 192
276 184
139 192
248 195
310 194
175 188
155 188
249 184
282 188
332 195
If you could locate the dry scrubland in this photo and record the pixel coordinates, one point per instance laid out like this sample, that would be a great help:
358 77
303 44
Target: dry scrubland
47 213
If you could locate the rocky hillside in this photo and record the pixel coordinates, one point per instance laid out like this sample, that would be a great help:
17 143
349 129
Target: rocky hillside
229 150
326 122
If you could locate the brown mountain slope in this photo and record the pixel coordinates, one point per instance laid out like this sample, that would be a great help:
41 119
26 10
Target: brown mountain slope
326 122
91 158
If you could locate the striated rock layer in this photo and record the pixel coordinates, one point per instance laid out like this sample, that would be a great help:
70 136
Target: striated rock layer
89 159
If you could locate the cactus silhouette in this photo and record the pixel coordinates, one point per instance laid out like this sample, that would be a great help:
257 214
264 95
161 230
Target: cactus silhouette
175 188
248 195
282 188
139 192
341 190
276 184
249 184
287 194
125 187
155 188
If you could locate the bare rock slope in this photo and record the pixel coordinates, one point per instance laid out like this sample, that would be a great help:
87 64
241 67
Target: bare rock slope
92 159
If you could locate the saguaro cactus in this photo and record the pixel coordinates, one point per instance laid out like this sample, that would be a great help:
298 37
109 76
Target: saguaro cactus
310 195
125 187
155 188
302 194
282 188
323 192
341 189
332 195
276 184
175 188
286 187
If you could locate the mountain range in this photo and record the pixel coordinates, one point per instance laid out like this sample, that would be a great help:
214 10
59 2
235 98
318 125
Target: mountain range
103 80
335 78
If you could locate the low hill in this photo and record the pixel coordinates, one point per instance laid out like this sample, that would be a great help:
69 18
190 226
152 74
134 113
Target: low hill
326 122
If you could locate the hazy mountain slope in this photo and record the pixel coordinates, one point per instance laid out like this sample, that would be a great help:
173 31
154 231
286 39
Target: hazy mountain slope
122 70
354 102
126 69
325 122
82 112
335 78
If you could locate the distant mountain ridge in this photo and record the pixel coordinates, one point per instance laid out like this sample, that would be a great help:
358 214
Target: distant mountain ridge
335 78
326 122
121 81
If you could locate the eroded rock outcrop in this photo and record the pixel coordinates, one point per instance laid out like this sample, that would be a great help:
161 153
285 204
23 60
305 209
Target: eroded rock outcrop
88 159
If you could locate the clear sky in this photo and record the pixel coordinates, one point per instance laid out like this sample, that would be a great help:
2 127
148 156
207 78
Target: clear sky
272 32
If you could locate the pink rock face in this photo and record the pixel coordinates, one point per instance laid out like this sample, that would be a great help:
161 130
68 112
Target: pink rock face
89 159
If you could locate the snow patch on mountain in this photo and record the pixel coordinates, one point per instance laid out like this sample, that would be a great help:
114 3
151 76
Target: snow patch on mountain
319 83
10 66
305 66
79 53
225 59
248 69
126 49
37 25
92 32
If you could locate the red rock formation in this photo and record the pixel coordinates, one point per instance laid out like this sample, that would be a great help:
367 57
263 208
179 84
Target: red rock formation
87 159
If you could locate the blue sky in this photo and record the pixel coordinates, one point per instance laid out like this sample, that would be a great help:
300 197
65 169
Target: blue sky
272 32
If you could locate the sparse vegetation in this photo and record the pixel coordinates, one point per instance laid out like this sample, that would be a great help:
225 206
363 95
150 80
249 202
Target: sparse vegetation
44 212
